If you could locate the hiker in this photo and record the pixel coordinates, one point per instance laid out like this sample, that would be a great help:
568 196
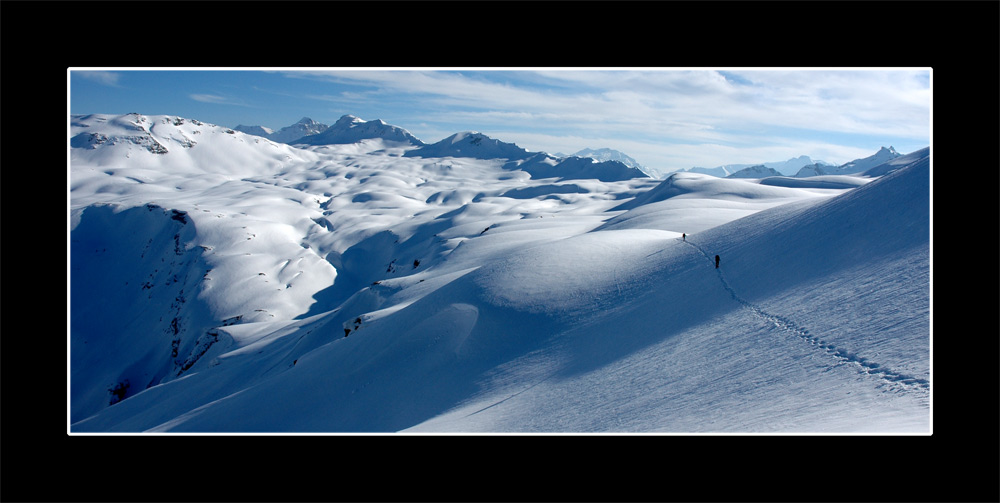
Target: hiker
684 237
716 261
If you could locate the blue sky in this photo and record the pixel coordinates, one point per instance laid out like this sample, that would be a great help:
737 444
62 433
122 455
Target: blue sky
665 118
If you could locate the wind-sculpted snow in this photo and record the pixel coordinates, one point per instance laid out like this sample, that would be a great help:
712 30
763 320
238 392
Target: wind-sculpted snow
239 285
817 182
692 202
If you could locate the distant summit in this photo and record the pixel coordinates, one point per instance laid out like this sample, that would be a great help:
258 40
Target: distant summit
879 158
287 134
537 164
883 156
813 170
471 144
787 168
608 154
759 171
261 131
351 129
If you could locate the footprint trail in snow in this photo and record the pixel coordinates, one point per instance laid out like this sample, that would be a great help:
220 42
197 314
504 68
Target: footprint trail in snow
894 379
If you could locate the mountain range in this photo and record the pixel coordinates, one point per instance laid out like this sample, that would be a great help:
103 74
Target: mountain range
351 129
785 168
288 134
222 282
881 157
801 166
605 164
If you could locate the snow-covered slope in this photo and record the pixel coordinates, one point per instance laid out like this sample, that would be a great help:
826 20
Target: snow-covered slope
352 289
896 162
154 149
265 132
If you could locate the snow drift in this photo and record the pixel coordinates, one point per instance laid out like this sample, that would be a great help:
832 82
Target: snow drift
350 288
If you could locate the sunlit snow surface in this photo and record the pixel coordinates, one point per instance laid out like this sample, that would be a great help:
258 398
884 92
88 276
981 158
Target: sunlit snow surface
241 285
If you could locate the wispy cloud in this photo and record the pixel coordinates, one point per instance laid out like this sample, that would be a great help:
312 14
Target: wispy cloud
676 104
217 100
101 77
683 114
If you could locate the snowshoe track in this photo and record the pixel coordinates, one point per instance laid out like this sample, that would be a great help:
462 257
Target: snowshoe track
843 356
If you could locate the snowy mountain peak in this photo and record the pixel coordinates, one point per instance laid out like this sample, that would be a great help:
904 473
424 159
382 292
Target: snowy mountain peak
471 144
255 130
607 154
347 119
789 167
174 145
759 171
305 126
859 165
352 129
473 137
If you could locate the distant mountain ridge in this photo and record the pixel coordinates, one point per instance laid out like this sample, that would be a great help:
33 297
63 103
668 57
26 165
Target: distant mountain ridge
759 171
608 154
221 282
471 144
352 129
287 134
883 156
538 164
161 135
799 167
787 168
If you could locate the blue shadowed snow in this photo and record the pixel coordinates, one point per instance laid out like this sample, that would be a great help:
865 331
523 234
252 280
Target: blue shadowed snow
348 288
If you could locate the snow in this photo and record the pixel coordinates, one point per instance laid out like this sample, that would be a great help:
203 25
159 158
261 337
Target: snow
351 129
246 286
793 165
802 166
288 134
760 171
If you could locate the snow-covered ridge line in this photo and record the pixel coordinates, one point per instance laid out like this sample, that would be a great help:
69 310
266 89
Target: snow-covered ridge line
244 285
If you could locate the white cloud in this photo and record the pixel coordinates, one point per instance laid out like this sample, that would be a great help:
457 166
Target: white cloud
671 118
677 102
101 77
216 99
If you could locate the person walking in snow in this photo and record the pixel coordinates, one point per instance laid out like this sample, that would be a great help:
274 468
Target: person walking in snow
684 237
716 261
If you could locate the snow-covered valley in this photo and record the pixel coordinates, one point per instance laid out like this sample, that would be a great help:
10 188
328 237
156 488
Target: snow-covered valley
222 282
